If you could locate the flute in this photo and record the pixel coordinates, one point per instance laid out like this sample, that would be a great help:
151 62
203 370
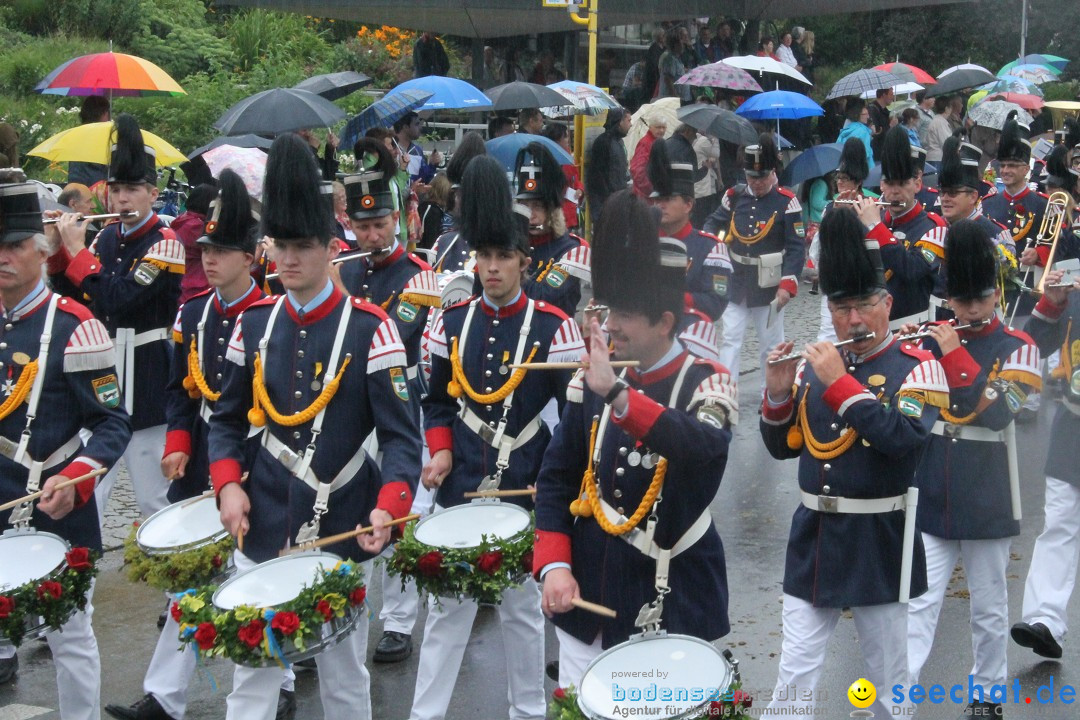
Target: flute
339 259
927 333
840 344
126 215
879 203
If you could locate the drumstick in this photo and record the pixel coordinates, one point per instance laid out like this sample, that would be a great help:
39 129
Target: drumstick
500 493
570 365
240 540
59 486
331 539
593 607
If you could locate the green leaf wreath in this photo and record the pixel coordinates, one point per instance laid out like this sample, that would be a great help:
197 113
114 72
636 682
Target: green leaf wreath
481 573
54 599
258 637
733 705
175 571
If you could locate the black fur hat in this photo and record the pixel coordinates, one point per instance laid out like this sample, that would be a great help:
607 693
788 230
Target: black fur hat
539 176
668 178
292 199
489 217
970 261
959 165
851 265
1013 146
131 161
229 222
898 162
1058 174
1072 132
853 161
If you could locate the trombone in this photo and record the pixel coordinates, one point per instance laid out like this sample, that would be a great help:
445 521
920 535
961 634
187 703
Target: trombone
1053 219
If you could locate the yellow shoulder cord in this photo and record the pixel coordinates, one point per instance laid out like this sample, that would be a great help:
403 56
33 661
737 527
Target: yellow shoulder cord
21 390
195 382
590 506
460 384
262 407
800 433
389 300
969 418
750 239
547 268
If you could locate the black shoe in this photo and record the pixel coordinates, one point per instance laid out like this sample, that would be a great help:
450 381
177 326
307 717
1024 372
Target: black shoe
161 619
1037 637
552 670
985 710
308 665
393 647
9 668
286 705
147 708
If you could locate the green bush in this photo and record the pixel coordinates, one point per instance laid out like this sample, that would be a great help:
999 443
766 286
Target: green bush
257 34
22 67
175 35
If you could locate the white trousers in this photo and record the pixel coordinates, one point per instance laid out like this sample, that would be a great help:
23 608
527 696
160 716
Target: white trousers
1052 574
734 328
985 562
574 657
446 634
78 665
143 461
882 632
344 682
400 606
170 670
826 332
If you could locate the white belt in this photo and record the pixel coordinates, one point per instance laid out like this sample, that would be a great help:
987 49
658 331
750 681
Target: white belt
487 433
917 319
851 506
939 302
205 412
744 259
290 459
126 341
61 454
953 431
640 539
410 373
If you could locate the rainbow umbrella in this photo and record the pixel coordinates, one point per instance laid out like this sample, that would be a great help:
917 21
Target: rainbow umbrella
111 74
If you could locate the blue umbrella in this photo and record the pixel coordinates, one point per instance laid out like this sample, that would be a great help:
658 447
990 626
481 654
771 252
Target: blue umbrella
873 179
382 113
814 163
779 105
447 93
505 148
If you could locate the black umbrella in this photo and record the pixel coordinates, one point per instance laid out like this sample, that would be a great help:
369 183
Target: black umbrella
519 95
718 122
248 140
277 111
958 80
334 86
814 163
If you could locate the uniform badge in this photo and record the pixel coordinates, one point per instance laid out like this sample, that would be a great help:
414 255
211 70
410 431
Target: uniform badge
146 273
555 277
406 311
712 415
1014 397
107 390
1074 383
876 380
799 230
899 235
1074 353
910 405
928 256
397 379
719 284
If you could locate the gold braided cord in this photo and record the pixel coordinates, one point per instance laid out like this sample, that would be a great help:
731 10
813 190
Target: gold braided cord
262 407
750 239
824 450
21 390
546 269
460 383
195 382
389 300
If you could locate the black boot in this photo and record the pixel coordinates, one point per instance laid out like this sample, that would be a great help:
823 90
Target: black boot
286 705
393 647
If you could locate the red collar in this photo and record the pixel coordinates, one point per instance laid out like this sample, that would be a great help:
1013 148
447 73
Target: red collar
32 305
1018 195
543 239
986 329
255 295
320 312
682 234
658 374
507 310
391 258
145 228
900 219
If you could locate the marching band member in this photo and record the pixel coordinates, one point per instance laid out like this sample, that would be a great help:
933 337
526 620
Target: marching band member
661 442
483 422
928 197
61 378
313 368
559 262
762 224
451 251
131 275
708 271
968 478
856 421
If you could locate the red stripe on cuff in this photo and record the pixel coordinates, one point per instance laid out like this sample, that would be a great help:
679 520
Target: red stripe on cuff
81 266
177 441
549 547
85 489
1048 309
58 262
687 301
439 438
778 413
641 415
223 472
960 367
841 391
882 234
790 285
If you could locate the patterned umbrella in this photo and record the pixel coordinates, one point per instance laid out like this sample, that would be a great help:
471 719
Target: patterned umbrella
1054 62
111 74
248 163
1013 85
860 81
244 141
1028 102
759 64
1037 74
908 73
779 105
992 114
720 75
384 112
586 99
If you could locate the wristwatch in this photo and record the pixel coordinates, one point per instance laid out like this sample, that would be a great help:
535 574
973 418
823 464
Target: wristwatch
616 390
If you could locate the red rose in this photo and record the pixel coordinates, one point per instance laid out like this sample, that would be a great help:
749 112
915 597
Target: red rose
356 597
78 559
327 612
527 561
742 698
287 622
430 564
489 562
216 561
50 589
559 694
716 708
1021 211
175 612
7 605
205 635
251 634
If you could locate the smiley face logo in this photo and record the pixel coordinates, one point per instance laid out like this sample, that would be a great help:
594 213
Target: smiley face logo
862 693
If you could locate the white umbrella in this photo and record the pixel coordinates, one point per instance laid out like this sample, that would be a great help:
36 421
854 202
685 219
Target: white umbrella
992 113
902 89
667 108
762 64
963 66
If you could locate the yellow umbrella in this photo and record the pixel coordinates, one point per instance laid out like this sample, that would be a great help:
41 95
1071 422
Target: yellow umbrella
91 142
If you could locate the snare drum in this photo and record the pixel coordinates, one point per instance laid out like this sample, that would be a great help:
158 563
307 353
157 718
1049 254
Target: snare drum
29 556
456 287
655 675
181 531
466 526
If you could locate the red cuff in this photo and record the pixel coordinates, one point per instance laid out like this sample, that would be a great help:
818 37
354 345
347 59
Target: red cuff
687 301
223 472
1048 309
1044 254
177 441
439 438
960 367
85 489
81 266
882 234
841 391
779 413
395 498
791 285
549 547
641 415
58 262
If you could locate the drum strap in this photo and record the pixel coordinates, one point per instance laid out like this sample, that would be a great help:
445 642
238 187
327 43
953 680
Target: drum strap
200 337
126 341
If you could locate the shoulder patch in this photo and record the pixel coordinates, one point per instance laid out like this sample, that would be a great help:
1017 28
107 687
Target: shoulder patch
386 349
927 378
74 307
419 261
107 390
567 344
717 391
575 391
793 206
436 338
89 348
1023 364
361 304
784 191
269 300
422 289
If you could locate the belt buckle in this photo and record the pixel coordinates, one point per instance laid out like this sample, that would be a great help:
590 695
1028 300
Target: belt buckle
287 457
953 431
486 433
828 504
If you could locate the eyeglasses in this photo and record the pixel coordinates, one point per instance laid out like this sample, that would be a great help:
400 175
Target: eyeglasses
862 308
953 192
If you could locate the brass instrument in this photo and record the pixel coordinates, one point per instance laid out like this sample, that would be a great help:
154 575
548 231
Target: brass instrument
1053 220
878 202
840 344
126 215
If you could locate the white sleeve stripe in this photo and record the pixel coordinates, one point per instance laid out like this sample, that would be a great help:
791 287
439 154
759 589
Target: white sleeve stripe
859 397
1026 358
927 375
794 206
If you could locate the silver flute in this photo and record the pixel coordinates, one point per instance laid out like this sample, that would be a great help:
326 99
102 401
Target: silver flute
840 344
126 215
927 333
341 259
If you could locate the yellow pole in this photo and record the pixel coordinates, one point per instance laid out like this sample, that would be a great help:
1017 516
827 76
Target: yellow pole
591 23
